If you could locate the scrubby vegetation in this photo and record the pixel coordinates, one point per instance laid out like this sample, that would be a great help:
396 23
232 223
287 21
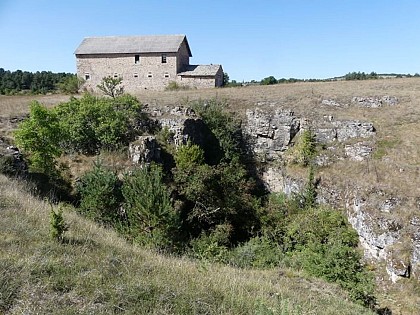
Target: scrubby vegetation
206 203
175 86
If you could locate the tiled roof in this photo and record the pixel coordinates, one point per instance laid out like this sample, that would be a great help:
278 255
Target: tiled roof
132 44
200 70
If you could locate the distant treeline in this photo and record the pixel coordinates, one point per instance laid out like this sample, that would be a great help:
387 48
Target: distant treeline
16 82
373 75
349 76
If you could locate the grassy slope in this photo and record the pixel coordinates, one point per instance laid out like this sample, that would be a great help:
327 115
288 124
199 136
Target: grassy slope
97 272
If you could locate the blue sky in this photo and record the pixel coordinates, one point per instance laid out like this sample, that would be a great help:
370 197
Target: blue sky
251 39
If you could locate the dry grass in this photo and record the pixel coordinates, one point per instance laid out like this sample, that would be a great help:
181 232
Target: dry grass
11 106
94 271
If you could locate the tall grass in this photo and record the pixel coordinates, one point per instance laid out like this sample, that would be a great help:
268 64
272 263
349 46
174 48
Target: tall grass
94 271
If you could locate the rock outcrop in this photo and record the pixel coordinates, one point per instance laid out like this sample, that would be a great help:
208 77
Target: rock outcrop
375 102
270 133
144 150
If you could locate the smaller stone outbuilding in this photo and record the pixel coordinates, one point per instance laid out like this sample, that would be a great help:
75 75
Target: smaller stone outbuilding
143 62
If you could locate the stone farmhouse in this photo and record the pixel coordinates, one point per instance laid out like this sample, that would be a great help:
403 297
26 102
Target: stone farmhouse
143 62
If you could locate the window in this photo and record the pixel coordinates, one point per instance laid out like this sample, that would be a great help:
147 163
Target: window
163 58
87 76
136 75
166 75
149 75
137 59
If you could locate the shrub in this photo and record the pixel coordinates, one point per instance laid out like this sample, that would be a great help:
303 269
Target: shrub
91 123
212 246
57 224
269 80
258 252
150 216
100 195
214 195
321 242
225 127
40 136
189 155
304 150
309 193
175 86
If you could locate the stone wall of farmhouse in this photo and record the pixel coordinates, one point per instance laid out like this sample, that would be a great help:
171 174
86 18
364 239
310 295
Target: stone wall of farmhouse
148 73
202 82
197 82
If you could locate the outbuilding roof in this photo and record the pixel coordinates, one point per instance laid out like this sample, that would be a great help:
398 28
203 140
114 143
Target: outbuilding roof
132 44
200 70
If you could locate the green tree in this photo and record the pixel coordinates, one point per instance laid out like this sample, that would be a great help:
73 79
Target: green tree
225 79
269 80
70 84
100 195
92 123
40 136
147 203
304 150
189 155
225 127
309 193
57 224
111 86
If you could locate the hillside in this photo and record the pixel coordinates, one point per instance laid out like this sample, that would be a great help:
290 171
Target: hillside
95 271
367 165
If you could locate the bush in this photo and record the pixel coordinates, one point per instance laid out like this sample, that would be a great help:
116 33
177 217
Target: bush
151 219
91 123
100 195
304 150
321 242
258 252
175 86
269 80
57 224
212 246
225 127
39 136
188 156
